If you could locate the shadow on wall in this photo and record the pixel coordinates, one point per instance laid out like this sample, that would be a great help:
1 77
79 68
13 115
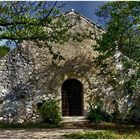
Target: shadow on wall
23 95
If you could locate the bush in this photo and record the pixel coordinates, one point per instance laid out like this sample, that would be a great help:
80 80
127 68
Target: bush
93 135
4 50
26 125
49 111
96 114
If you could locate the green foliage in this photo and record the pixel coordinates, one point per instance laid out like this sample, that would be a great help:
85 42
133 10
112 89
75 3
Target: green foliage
107 131
122 29
130 86
126 133
131 81
96 114
26 20
26 125
36 21
93 135
49 111
122 34
4 50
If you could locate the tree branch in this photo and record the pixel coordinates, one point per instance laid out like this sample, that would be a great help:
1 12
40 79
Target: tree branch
50 11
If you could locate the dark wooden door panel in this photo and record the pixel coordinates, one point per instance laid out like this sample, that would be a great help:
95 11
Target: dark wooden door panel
65 105
72 99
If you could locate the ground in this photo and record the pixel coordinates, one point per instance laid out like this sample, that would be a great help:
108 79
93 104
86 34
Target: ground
36 133
101 130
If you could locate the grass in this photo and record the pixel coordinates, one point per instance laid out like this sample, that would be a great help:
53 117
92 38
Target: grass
26 125
96 131
108 131
103 134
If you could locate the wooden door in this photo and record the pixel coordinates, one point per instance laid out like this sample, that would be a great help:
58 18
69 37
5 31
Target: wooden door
72 98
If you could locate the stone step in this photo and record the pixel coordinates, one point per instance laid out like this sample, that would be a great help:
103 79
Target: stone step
74 122
74 119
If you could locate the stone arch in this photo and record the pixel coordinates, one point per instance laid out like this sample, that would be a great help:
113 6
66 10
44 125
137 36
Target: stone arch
57 81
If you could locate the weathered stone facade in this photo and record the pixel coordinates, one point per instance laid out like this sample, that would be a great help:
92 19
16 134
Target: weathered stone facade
27 79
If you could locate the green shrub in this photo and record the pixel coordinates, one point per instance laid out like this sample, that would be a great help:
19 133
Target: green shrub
96 114
26 125
49 111
93 135
4 50
121 132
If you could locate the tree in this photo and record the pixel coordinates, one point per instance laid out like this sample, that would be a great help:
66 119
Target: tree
121 44
33 20
122 21
4 50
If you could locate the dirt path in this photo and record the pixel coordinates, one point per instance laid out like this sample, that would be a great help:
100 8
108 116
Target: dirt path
36 133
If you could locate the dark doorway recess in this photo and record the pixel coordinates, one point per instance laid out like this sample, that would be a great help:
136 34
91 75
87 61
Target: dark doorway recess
72 98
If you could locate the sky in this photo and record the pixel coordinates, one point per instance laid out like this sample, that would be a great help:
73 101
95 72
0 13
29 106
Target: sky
85 8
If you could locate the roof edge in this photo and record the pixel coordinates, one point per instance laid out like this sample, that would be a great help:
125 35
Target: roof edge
87 19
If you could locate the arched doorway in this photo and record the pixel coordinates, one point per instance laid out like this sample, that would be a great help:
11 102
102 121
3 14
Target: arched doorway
72 98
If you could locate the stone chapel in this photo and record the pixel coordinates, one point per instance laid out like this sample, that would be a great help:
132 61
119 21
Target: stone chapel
27 79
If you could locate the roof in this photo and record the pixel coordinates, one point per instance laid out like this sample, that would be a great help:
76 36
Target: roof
84 18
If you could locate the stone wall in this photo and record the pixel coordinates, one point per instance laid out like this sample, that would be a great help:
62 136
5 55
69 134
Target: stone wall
28 75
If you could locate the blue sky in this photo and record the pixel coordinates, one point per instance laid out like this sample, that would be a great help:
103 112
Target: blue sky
86 8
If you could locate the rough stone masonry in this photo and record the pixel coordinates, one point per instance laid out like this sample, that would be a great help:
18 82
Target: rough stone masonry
28 76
